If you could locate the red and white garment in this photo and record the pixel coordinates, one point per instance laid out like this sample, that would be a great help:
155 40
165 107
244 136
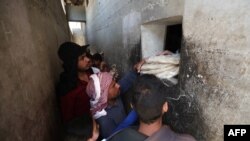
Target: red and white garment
97 90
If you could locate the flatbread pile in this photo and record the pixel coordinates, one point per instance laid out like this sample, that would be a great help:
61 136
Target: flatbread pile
165 67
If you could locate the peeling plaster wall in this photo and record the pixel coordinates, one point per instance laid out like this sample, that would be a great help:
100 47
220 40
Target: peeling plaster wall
114 26
215 64
31 32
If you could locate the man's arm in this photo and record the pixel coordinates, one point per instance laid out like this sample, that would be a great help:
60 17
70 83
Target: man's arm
126 81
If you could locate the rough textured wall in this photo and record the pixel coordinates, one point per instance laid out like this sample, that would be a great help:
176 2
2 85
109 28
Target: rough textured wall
30 33
215 64
113 26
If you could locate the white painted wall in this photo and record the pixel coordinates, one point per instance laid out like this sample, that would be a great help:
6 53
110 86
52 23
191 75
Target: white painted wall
152 39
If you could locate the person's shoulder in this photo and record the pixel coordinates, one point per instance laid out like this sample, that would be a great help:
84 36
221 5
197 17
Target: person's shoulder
177 136
185 137
128 134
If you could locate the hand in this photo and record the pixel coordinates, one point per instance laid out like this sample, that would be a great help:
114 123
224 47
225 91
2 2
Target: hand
95 132
137 66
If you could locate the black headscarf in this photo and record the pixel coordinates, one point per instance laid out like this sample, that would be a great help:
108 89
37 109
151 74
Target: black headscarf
69 52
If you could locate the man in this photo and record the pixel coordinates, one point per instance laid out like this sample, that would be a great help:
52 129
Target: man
106 104
97 59
74 102
150 104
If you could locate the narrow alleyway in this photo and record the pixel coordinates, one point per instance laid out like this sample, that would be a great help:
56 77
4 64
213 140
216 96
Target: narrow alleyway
211 37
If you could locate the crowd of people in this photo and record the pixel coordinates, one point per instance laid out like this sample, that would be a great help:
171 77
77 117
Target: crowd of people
90 96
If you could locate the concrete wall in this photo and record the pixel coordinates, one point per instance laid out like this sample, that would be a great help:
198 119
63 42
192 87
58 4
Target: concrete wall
215 64
113 26
214 73
152 39
31 31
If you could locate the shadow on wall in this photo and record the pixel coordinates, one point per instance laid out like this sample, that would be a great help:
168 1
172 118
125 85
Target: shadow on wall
135 53
185 114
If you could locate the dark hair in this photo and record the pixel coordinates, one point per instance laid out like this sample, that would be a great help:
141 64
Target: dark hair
148 98
69 52
97 57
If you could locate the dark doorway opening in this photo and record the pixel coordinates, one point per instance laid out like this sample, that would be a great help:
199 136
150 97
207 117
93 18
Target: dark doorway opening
173 38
